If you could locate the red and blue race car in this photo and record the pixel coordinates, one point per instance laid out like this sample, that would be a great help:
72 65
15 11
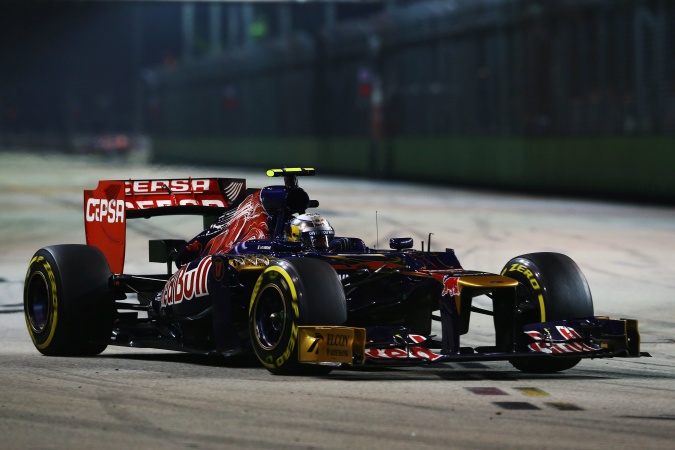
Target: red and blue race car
267 276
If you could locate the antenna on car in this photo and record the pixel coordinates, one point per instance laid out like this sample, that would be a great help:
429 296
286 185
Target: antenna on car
377 232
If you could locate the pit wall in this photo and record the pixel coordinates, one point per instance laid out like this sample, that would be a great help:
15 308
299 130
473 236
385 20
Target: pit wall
626 168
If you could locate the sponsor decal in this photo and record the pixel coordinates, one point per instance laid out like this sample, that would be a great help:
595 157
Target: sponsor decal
145 194
525 271
337 340
331 344
187 284
319 232
337 353
314 347
557 348
146 204
166 186
218 268
450 286
536 335
567 332
567 340
105 215
399 353
103 210
416 339
533 282
337 345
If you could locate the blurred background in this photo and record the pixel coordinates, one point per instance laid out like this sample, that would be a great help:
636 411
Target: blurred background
572 97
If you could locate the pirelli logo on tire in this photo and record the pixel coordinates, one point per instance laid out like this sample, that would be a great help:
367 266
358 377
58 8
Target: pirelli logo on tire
332 344
525 275
525 271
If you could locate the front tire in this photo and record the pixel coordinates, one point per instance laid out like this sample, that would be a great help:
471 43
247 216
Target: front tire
552 287
289 293
68 305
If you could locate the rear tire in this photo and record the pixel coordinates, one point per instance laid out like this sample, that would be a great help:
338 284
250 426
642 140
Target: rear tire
552 287
68 305
289 293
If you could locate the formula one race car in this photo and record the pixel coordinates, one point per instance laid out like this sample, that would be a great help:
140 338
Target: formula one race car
266 276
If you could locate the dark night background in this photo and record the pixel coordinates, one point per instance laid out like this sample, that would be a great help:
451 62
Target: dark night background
80 60
573 96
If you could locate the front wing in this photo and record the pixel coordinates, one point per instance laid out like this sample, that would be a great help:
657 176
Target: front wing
594 337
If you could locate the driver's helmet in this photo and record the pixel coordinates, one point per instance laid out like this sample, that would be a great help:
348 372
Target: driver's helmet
313 230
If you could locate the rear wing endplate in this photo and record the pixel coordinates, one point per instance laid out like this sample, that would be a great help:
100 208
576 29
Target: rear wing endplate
107 208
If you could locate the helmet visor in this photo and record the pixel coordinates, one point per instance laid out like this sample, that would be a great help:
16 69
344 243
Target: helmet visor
318 242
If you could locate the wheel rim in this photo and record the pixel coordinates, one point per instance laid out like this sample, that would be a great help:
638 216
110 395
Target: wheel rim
38 306
269 317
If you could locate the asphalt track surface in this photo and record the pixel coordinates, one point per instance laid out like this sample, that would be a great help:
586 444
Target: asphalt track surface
145 399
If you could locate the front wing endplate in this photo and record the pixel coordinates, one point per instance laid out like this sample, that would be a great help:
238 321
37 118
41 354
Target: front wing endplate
331 344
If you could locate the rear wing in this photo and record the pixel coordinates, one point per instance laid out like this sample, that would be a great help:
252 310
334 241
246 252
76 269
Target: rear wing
107 208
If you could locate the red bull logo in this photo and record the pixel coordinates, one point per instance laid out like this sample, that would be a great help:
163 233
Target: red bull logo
450 286
187 284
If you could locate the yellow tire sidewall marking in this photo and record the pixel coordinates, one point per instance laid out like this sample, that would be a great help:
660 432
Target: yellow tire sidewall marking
534 282
294 302
52 319
542 308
